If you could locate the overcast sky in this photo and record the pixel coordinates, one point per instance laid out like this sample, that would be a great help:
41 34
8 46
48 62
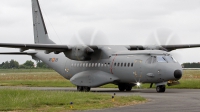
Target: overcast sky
125 22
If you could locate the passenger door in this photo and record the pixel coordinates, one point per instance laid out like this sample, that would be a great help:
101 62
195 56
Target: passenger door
138 70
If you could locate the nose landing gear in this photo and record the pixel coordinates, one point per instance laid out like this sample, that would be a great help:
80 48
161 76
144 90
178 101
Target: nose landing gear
83 88
160 88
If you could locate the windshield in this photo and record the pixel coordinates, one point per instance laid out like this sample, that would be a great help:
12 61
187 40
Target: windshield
160 59
174 59
167 59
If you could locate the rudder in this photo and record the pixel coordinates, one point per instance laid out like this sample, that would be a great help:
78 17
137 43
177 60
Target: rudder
40 31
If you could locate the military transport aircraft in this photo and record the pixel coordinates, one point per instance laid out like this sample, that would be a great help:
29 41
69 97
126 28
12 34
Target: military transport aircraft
88 66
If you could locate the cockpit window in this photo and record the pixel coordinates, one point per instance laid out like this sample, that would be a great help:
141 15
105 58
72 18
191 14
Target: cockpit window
151 60
170 59
161 59
174 59
154 60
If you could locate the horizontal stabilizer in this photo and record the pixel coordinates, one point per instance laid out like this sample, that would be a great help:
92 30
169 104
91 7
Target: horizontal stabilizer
92 78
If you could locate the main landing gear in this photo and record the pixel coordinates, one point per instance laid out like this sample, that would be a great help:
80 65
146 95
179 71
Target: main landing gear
83 88
160 88
125 87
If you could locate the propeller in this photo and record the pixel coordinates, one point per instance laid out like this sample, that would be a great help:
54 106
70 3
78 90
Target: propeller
163 36
89 36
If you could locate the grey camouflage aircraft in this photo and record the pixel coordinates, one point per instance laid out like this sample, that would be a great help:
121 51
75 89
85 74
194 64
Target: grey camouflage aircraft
88 66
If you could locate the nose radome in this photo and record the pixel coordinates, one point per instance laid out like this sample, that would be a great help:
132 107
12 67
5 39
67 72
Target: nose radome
177 74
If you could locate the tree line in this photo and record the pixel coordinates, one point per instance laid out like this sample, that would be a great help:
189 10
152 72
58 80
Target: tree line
191 65
12 64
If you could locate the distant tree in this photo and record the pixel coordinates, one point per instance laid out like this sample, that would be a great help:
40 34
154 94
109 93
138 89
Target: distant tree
14 64
41 64
1 65
28 64
191 65
6 65
23 67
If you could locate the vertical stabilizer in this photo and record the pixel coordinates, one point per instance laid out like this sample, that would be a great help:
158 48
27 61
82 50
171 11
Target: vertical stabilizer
40 31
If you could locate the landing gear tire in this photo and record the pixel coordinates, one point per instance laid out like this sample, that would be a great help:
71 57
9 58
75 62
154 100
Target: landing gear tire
125 87
79 88
160 89
86 89
83 88
129 87
121 87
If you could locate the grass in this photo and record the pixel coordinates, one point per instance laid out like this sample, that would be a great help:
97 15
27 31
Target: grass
49 78
29 100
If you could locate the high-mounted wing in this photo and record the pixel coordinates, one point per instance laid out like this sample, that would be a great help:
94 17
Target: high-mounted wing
174 47
18 53
73 52
163 47
48 47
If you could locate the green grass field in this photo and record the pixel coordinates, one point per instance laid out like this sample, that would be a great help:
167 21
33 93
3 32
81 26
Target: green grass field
49 78
29 100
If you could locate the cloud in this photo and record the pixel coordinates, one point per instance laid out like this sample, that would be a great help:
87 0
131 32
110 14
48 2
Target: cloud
122 21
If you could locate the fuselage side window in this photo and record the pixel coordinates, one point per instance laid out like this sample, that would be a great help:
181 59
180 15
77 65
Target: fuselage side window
121 64
96 64
118 64
131 64
124 64
128 64
99 64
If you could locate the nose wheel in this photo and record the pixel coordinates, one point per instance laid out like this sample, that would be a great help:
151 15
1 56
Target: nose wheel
83 88
160 88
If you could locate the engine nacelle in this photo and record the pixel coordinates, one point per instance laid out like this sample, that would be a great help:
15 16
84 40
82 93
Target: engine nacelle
80 53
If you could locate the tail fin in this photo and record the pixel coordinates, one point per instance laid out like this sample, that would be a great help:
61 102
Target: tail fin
40 31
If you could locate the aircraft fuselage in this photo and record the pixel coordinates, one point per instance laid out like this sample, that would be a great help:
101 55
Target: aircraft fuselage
130 68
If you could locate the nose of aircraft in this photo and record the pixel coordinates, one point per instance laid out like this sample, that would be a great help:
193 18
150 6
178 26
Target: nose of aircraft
177 74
